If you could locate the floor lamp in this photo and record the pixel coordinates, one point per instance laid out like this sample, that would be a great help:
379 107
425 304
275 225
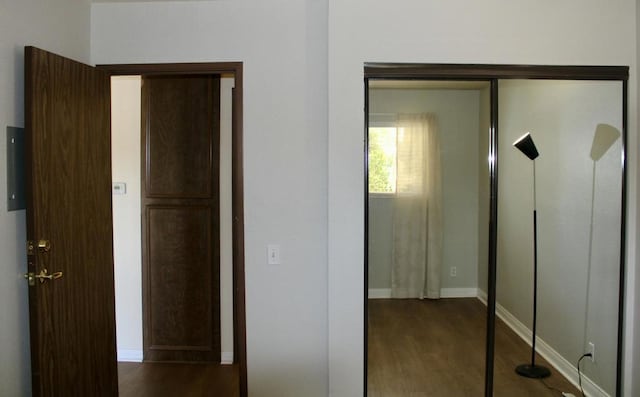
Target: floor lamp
528 148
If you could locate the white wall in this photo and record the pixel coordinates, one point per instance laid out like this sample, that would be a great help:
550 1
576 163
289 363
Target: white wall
632 357
127 239
127 243
457 114
283 47
380 243
493 31
61 27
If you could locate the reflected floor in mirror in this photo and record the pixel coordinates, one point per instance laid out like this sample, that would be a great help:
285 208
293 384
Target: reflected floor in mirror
437 348
172 379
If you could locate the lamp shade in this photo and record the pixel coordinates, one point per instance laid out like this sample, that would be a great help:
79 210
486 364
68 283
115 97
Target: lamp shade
525 145
605 136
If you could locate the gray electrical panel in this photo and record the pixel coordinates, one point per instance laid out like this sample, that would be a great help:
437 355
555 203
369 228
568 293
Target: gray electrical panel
16 199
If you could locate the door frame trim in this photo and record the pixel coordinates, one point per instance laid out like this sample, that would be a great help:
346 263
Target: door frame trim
236 69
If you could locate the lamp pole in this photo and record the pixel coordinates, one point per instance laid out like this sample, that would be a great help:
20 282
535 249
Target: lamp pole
535 268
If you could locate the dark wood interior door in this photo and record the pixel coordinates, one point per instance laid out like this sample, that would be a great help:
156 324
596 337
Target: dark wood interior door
180 218
68 168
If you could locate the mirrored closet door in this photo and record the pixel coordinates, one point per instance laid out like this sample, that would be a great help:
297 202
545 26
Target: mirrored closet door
428 207
495 202
575 186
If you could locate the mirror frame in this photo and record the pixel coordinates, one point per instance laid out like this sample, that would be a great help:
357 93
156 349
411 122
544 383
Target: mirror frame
493 73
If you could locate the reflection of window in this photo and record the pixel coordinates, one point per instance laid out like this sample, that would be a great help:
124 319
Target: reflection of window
382 159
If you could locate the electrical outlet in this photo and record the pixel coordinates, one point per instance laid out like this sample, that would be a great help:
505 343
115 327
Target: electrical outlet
453 271
592 350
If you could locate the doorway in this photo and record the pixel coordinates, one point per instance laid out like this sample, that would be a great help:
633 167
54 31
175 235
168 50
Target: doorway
67 110
232 270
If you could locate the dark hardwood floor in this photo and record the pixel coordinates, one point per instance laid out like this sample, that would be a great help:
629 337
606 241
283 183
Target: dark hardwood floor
177 380
437 348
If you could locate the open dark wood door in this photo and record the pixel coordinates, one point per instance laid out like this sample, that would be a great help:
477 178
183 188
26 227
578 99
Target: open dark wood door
69 227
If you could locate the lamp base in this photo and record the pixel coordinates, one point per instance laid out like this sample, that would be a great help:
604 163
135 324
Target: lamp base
533 371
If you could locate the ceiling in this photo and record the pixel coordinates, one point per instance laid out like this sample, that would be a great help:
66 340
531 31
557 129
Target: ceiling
137 1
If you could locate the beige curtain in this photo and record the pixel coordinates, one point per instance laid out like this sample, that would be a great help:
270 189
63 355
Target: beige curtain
417 216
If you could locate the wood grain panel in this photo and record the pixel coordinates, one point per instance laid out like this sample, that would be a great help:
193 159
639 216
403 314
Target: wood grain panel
68 145
181 288
179 156
181 236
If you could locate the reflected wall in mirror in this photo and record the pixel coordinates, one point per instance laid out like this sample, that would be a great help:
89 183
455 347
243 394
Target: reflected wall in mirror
576 126
428 222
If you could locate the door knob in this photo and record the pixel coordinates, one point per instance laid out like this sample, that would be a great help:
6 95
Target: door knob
31 277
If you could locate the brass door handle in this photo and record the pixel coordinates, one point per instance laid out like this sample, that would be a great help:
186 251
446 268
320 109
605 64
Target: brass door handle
44 276
31 278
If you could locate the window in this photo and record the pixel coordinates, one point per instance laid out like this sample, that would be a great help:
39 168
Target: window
382 159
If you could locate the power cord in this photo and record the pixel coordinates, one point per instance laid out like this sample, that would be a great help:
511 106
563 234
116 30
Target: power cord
567 394
580 374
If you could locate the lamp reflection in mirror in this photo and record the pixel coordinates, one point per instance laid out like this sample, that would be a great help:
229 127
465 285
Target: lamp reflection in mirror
531 370
604 137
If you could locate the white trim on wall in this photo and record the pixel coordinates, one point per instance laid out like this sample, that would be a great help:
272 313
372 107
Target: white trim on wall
135 356
458 292
561 364
226 358
131 356
385 293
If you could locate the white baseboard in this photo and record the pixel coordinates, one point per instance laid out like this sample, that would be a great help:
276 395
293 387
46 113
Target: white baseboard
482 296
132 356
226 358
561 364
379 293
385 293
135 356
458 292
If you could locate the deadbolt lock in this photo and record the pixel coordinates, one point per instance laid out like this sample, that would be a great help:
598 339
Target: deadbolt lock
41 245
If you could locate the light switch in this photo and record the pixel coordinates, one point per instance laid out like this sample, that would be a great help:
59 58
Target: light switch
273 254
